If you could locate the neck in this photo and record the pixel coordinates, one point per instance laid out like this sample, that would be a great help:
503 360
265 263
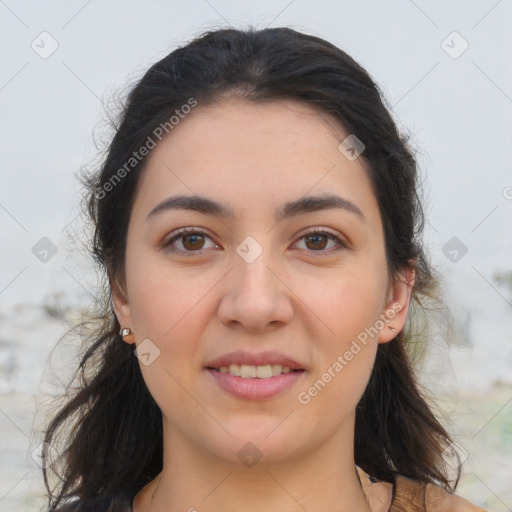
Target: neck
192 480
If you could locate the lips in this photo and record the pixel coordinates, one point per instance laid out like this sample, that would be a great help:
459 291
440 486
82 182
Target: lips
261 387
260 359
254 388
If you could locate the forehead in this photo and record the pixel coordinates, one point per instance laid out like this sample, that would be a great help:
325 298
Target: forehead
236 150
243 126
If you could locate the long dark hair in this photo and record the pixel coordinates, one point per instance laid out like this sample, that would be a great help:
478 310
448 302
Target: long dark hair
111 426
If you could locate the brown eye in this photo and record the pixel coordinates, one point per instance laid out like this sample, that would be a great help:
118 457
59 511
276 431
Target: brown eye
192 242
316 241
188 242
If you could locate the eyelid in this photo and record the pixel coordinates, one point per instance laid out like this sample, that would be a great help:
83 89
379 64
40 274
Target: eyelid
184 231
321 230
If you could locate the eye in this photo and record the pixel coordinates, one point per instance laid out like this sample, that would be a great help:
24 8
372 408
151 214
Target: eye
317 240
192 242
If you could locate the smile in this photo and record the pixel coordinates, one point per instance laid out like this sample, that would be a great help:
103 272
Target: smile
249 385
247 371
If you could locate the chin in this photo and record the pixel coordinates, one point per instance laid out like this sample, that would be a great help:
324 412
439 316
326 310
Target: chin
257 444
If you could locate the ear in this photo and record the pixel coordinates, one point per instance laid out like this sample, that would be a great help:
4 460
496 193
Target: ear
397 307
122 308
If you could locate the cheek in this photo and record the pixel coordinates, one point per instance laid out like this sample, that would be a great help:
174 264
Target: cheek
347 306
346 352
163 299
347 302
171 314
168 308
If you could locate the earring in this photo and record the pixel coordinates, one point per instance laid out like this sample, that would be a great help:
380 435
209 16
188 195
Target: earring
125 332
392 329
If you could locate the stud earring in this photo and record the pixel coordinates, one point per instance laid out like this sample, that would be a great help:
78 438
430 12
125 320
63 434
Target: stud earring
125 332
392 329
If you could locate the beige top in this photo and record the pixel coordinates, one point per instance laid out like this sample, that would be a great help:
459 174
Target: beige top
412 496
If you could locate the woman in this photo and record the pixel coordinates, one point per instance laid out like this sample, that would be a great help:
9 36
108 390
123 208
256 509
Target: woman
258 219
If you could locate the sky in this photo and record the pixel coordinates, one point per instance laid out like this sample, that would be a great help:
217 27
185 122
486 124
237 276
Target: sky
444 69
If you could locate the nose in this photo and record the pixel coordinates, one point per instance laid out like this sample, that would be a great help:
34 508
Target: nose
255 295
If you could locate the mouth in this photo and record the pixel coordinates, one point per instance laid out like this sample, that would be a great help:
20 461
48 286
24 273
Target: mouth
255 376
265 371
255 383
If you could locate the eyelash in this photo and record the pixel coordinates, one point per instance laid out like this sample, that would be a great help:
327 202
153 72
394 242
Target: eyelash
187 231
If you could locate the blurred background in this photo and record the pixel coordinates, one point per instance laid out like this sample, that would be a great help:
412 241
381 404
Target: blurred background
445 71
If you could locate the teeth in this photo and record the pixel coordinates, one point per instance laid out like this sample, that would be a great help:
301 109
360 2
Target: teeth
264 372
276 369
246 371
249 371
234 369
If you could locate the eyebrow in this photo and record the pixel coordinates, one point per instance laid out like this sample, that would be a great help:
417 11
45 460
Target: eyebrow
206 206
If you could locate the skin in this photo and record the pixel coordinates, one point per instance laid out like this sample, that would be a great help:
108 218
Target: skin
292 299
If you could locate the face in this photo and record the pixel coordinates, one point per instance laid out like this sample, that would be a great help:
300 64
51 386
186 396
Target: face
265 274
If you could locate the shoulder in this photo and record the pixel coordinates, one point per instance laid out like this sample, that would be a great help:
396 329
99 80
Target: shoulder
439 499
407 495
103 503
413 496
